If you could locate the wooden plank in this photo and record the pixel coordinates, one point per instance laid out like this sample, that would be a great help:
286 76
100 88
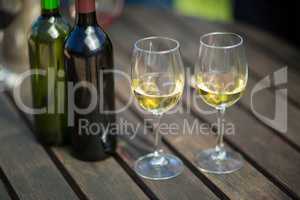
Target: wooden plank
262 146
130 37
184 186
269 44
98 179
105 179
94 179
187 145
263 63
249 145
264 102
261 67
236 185
3 193
88 180
246 183
25 163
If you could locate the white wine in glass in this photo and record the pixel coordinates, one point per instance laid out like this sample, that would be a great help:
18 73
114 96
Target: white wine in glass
157 82
220 79
154 97
220 89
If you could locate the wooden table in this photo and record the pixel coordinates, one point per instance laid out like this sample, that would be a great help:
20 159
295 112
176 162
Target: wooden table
272 159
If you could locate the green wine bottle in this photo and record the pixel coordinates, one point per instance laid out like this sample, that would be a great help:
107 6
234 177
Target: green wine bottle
46 46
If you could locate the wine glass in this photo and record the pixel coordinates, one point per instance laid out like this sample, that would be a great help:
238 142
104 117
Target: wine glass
221 74
157 82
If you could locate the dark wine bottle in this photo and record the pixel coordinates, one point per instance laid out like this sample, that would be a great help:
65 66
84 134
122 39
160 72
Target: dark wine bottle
88 58
46 46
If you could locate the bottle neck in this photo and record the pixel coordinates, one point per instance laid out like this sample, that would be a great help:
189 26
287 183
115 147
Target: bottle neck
86 13
50 7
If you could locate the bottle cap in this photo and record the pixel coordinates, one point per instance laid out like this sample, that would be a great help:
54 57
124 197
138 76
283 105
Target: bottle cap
85 6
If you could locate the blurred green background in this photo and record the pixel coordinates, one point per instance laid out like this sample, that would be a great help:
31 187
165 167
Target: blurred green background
275 16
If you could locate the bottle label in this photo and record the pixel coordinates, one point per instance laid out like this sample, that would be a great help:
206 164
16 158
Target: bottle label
85 6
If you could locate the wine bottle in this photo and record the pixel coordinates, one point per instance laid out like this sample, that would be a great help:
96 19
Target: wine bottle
46 45
88 58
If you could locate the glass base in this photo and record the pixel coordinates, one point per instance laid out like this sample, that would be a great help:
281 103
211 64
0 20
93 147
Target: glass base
159 166
219 162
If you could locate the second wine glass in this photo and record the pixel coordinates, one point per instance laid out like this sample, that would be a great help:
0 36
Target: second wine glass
221 75
157 81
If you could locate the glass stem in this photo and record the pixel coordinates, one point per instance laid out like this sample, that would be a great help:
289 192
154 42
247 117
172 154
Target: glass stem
158 160
220 138
157 148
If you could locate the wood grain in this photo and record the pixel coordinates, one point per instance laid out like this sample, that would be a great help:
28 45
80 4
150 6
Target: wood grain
93 180
104 179
236 185
187 145
266 61
185 186
245 120
272 165
130 37
130 149
25 163
263 101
